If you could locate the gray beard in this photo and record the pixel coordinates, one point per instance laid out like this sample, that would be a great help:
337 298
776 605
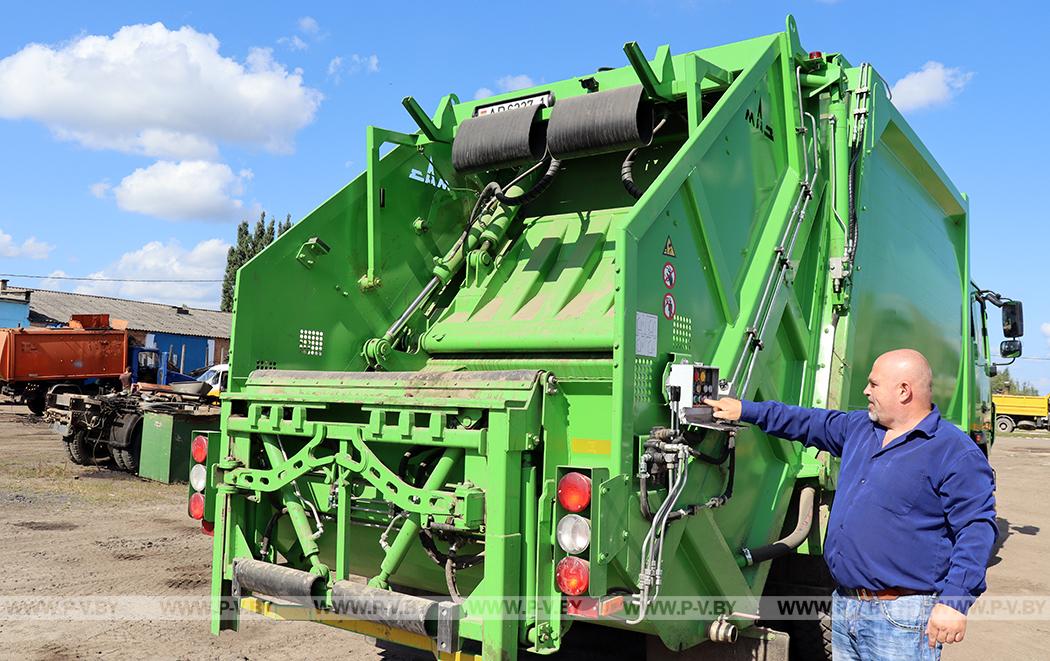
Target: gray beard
873 416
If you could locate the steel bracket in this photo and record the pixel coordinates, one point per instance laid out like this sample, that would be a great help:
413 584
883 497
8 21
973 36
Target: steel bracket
311 250
448 627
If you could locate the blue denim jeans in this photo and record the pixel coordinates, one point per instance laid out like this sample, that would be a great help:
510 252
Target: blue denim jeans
881 630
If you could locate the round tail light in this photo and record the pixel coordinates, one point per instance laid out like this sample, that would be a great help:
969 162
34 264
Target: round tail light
198 477
574 491
573 575
196 507
574 533
199 448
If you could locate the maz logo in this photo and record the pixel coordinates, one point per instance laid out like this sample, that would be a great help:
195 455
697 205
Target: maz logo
755 120
428 177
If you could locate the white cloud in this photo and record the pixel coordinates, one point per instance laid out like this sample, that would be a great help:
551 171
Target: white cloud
157 260
31 248
293 42
159 92
186 190
355 63
100 189
511 83
307 26
52 281
507 83
933 85
1045 328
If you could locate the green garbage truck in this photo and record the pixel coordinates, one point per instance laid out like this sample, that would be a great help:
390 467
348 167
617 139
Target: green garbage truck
464 408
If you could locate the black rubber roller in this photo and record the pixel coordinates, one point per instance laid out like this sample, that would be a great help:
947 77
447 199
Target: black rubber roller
601 122
276 580
393 609
499 140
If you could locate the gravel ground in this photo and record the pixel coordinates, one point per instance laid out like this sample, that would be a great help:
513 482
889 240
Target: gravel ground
73 531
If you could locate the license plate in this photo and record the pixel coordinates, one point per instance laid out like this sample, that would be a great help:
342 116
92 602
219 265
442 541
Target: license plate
543 100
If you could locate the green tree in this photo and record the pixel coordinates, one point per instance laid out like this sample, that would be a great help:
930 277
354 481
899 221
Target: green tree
1004 383
249 243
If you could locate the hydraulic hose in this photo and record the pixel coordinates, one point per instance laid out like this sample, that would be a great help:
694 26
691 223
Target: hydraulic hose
627 169
293 502
792 541
544 182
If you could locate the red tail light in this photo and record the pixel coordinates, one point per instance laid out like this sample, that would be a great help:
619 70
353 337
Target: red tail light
573 575
199 449
196 507
574 491
208 528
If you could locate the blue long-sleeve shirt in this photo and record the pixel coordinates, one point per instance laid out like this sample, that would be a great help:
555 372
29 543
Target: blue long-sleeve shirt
917 514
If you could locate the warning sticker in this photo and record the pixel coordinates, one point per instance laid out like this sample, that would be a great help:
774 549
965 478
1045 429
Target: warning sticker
669 248
669 275
645 334
669 306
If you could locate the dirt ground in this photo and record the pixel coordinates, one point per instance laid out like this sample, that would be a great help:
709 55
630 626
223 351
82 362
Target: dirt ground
72 531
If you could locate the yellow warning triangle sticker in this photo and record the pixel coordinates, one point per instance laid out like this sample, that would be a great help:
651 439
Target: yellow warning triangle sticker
669 248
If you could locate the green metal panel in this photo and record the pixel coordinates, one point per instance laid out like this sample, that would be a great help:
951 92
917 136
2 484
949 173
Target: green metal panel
166 438
546 344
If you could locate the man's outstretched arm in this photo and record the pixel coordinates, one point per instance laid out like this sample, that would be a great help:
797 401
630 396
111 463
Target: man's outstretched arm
819 428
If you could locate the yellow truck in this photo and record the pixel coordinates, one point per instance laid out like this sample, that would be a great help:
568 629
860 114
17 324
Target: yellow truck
1025 411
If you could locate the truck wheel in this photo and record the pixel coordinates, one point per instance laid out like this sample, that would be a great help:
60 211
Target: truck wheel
1004 424
37 403
118 457
79 450
129 435
811 639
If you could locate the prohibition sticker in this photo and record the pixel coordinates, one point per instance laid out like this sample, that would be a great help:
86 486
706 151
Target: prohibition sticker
669 248
669 275
669 306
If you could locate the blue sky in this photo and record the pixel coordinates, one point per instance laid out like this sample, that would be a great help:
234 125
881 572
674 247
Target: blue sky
146 178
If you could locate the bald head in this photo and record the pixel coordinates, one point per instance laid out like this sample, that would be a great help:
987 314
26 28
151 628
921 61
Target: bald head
900 388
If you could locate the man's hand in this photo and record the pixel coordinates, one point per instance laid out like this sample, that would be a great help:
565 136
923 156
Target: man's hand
725 408
946 625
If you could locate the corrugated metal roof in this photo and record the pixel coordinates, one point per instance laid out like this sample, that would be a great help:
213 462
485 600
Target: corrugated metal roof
58 306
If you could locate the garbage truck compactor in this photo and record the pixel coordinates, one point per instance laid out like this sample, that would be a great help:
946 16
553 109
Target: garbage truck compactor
475 373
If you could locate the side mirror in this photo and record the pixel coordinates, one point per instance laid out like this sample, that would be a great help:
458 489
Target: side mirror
1010 348
993 370
1013 319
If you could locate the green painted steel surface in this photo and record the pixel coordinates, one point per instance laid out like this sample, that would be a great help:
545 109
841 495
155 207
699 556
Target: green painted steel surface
165 454
545 345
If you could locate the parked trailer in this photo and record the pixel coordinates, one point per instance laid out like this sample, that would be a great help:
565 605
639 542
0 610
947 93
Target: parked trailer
1025 411
474 372
143 431
34 359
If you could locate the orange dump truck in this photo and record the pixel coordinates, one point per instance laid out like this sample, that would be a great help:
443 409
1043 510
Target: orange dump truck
32 360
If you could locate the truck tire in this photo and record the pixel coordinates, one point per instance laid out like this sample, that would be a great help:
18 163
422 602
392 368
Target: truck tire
79 449
118 457
1004 424
811 639
37 402
129 436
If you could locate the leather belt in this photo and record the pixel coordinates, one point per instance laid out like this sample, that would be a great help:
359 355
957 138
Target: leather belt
887 594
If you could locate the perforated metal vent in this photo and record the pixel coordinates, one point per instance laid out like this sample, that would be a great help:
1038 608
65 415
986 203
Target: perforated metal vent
311 342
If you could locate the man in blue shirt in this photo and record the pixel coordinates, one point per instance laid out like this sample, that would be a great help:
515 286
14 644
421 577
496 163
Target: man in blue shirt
913 521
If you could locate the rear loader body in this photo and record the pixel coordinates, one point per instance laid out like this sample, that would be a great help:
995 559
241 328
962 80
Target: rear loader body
429 373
